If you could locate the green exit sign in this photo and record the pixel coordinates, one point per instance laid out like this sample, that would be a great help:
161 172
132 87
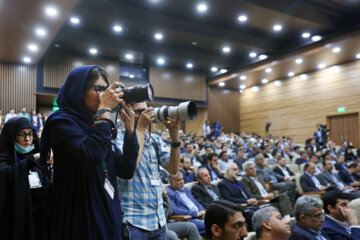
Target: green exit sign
341 109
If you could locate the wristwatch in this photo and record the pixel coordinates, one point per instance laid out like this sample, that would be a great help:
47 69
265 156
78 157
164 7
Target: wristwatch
101 112
175 144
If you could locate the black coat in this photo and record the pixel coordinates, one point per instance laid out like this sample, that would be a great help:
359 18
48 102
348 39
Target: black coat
202 195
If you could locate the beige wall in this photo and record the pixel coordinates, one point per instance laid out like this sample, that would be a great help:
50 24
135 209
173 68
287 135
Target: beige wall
297 106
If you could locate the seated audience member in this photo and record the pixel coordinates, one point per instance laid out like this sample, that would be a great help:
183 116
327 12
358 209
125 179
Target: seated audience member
208 150
296 153
240 159
224 220
279 182
267 152
314 159
353 170
175 229
256 187
283 170
332 149
356 175
213 168
188 151
224 162
287 153
343 147
344 173
278 148
196 159
309 219
349 155
312 144
183 202
203 191
310 183
186 169
340 221
302 159
270 225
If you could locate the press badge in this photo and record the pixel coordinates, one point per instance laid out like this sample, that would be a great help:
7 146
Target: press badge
34 180
109 188
154 181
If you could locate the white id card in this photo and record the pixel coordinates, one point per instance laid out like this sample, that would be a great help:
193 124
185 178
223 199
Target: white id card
34 180
109 188
154 181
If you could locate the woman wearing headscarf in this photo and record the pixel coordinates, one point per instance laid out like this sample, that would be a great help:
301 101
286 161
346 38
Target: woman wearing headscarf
86 160
24 189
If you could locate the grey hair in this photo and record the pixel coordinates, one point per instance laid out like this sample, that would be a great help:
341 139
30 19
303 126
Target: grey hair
260 216
247 164
259 156
171 177
197 173
305 206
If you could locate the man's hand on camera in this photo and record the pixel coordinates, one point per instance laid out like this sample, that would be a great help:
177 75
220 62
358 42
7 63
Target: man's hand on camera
111 97
145 119
128 116
172 125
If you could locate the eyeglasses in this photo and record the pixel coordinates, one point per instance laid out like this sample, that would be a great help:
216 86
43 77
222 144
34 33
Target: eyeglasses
99 88
24 135
317 216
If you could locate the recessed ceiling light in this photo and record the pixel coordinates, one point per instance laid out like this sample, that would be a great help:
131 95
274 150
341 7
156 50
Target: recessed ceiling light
56 45
26 59
221 84
243 77
263 56
264 81
194 43
321 66
336 50
226 49
214 69
268 70
41 32
93 51
129 56
291 74
298 60
160 61
117 28
223 70
357 56
158 36
33 47
242 18
75 20
202 7
189 65
335 69
304 77
277 27
242 86
131 76
255 89
51 11
252 54
305 35
241 91
316 38
277 83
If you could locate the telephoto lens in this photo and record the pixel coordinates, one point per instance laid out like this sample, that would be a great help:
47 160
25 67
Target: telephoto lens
184 111
138 93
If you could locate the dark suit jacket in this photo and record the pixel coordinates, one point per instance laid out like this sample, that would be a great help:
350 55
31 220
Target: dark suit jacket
266 155
344 174
308 185
178 205
209 169
202 195
327 178
300 161
336 232
231 192
188 176
300 233
278 171
251 186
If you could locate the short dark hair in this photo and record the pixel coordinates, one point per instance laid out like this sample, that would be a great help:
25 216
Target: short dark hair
352 165
218 213
221 154
306 166
296 147
331 198
210 156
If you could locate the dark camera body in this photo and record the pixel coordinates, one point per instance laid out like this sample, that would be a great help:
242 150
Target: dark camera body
139 93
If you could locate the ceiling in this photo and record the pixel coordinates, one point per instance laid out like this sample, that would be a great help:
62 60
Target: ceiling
188 36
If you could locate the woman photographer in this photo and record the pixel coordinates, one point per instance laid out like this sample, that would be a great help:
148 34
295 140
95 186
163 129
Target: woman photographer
86 162
24 201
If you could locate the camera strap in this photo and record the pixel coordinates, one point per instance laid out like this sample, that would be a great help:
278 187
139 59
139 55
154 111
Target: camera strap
156 147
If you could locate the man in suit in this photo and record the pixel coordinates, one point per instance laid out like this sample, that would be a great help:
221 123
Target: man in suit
280 183
213 167
183 202
341 222
309 219
312 144
256 187
186 169
344 173
283 170
302 159
203 191
204 157
310 183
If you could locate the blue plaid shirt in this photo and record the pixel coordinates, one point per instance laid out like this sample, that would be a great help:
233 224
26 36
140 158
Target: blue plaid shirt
142 202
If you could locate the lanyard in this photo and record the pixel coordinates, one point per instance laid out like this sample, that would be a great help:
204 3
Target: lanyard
242 192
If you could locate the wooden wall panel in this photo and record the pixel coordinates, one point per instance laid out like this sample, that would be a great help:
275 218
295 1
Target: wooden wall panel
196 125
17 87
58 66
295 107
224 106
178 84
